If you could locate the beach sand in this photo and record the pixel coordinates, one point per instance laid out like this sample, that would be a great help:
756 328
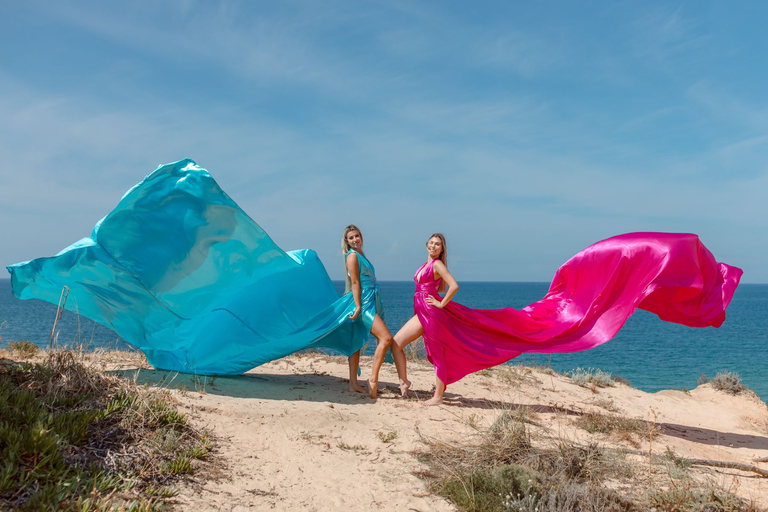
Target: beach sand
291 437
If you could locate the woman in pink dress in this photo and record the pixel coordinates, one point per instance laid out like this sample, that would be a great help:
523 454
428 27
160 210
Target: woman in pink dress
413 327
591 296
431 279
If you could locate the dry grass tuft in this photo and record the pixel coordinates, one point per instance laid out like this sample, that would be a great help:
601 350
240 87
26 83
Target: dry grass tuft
730 382
387 437
516 375
621 380
606 403
625 429
23 348
415 351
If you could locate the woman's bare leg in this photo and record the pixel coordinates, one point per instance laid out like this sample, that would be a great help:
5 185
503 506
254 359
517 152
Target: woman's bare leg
408 333
354 363
437 399
384 337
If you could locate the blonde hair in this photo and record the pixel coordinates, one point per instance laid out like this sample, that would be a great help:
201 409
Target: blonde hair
344 250
443 257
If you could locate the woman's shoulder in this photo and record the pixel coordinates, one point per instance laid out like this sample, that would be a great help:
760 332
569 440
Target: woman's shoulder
439 268
358 257
438 263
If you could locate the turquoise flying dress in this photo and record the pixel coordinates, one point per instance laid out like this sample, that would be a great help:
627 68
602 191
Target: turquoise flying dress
182 273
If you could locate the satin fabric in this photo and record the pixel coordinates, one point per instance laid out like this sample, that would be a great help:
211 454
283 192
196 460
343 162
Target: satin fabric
180 272
370 297
591 296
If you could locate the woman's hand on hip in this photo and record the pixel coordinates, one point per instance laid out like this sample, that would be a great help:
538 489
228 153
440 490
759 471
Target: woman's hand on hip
434 302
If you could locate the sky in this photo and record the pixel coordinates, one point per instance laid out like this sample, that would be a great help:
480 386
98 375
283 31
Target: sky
524 131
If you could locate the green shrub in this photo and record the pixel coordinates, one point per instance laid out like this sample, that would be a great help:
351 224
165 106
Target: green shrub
596 377
86 441
487 489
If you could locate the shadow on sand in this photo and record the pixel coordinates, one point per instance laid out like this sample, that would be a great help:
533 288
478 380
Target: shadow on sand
297 386
694 434
319 387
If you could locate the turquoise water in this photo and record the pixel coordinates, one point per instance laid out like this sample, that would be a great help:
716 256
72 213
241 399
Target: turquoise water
651 354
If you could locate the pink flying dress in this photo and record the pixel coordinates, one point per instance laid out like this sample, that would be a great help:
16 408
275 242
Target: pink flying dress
591 296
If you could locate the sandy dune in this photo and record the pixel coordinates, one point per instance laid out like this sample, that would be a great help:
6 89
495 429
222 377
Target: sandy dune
292 437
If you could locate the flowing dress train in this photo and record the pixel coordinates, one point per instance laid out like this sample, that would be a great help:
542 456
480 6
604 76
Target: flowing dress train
180 272
591 296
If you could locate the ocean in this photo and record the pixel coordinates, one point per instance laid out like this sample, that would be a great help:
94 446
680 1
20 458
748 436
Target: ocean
651 354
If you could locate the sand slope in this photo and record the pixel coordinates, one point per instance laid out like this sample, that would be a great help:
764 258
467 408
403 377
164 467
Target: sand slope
292 437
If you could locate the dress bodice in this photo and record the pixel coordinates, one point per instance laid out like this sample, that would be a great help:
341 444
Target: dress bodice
367 272
425 279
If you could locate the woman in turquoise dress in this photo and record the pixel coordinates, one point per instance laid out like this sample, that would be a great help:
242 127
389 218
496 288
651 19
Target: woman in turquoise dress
183 274
361 282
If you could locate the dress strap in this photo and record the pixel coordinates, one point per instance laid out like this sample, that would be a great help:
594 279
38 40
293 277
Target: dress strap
432 268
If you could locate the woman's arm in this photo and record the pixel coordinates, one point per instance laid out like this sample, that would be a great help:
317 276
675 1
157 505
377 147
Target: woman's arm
353 267
442 271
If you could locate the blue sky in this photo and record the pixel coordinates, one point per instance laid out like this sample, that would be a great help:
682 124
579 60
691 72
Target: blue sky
524 131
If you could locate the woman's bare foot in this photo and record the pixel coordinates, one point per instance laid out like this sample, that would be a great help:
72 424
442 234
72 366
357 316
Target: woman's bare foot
435 400
373 388
405 385
356 388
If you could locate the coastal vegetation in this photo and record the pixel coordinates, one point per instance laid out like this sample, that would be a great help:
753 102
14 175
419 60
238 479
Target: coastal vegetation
79 436
23 348
591 377
73 437
513 464
516 463
730 382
